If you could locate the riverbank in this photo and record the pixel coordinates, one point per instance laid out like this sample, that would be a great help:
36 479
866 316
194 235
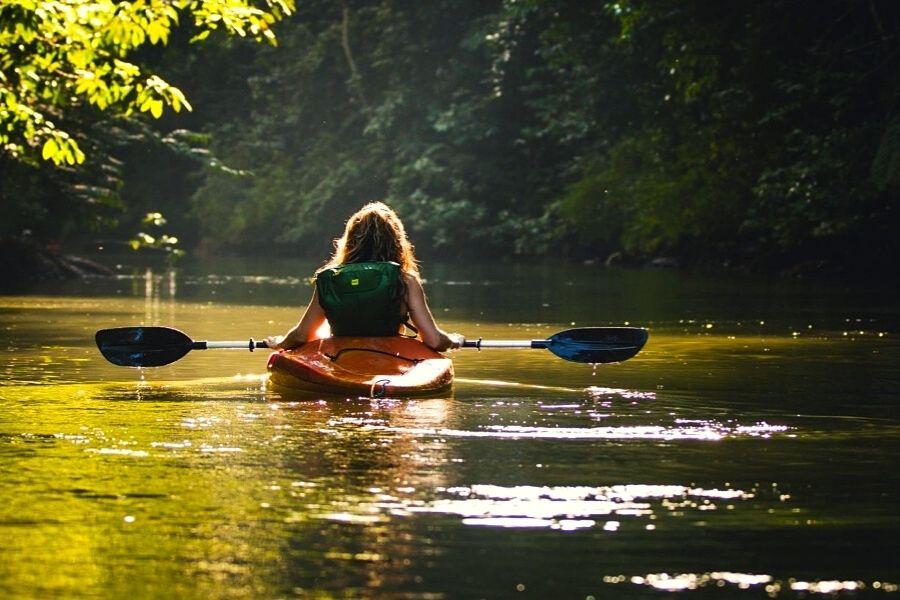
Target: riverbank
24 262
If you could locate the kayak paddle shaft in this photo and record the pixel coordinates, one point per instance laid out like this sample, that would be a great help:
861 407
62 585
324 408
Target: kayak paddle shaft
234 345
504 344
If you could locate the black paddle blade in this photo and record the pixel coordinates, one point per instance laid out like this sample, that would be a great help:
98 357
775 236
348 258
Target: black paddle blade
143 346
598 344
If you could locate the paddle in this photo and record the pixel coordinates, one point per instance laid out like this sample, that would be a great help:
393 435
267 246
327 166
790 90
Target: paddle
158 346
154 346
584 344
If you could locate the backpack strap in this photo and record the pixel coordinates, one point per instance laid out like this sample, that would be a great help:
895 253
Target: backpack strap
408 325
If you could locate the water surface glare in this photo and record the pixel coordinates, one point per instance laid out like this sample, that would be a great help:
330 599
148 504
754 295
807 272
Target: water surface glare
749 451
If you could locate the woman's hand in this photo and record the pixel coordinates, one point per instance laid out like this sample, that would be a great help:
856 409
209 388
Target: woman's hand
274 342
456 340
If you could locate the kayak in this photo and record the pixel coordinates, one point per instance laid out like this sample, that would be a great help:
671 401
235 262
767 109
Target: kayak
375 367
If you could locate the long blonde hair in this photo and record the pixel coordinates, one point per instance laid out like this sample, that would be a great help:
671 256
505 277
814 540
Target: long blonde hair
374 233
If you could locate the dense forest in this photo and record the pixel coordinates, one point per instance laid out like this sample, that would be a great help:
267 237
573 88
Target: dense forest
763 133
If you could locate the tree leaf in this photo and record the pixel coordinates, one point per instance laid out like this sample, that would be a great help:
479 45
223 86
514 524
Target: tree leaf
50 149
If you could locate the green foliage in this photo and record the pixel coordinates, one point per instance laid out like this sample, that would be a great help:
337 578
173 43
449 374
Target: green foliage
761 133
57 56
886 166
419 125
154 222
764 133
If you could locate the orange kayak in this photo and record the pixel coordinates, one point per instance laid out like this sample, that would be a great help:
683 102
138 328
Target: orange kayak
374 367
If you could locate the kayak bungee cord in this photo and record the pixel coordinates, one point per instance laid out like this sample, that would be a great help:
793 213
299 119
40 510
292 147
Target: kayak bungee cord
334 357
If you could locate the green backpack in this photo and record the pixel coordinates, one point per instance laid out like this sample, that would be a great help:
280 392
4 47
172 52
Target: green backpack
362 299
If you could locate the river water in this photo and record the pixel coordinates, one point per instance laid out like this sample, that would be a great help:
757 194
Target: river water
749 451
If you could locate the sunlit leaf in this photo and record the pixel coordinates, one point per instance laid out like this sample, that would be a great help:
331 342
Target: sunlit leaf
49 150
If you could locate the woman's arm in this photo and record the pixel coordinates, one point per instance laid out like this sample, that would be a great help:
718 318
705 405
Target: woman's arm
304 330
434 337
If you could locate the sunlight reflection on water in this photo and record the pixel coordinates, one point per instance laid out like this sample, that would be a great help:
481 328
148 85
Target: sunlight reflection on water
708 431
598 392
567 507
681 582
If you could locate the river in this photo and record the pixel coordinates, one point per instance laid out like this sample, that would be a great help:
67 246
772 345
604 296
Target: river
750 449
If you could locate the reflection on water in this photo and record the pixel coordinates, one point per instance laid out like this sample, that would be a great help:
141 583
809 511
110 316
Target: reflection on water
751 446
568 508
701 431
691 581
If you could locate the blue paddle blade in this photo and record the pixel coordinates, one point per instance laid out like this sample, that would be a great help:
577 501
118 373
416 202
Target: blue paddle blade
598 344
143 346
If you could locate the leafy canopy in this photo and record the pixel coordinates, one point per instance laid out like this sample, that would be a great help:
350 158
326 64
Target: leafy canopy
57 56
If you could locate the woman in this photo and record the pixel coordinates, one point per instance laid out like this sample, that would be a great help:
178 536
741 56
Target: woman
370 286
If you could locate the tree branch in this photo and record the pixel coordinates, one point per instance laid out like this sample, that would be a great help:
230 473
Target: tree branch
355 79
874 12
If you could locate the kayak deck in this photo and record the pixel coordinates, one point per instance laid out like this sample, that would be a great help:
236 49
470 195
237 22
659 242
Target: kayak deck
362 366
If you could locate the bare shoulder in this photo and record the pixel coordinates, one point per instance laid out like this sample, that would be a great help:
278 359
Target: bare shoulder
414 291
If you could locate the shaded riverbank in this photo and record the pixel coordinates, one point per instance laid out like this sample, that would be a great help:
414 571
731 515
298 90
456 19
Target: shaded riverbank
25 263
